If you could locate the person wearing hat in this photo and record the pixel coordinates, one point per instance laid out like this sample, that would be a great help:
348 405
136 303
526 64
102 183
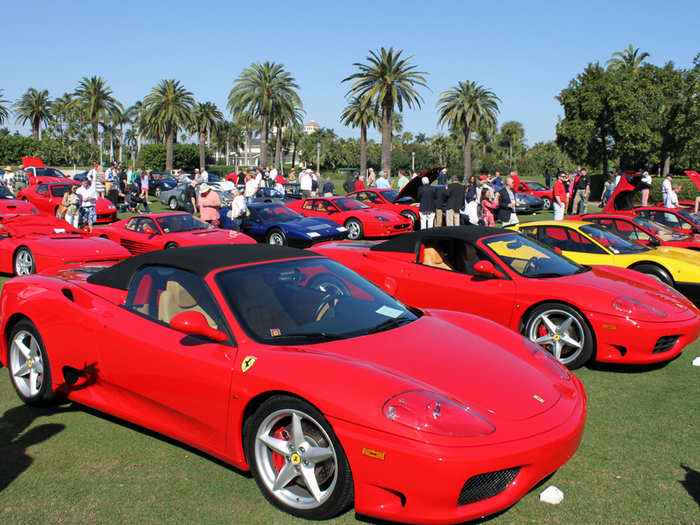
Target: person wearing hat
7 176
191 197
559 195
646 187
666 188
209 203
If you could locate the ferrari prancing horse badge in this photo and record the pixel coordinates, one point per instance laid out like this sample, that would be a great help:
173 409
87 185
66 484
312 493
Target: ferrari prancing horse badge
248 362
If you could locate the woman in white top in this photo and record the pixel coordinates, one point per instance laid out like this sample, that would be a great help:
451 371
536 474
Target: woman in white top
239 208
646 180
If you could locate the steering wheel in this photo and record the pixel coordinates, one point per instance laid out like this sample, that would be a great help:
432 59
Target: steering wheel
531 266
327 304
328 284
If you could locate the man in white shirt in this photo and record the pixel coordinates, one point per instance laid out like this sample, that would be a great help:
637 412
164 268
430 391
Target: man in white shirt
672 197
92 174
305 183
383 181
88 197
7 176
666 188
205 175
251 188
273 174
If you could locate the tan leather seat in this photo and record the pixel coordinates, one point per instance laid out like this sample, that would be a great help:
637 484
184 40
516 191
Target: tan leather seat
263 311
432 257
174 300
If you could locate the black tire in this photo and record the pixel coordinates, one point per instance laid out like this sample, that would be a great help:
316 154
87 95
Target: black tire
171 245
413 217
36 362
276 236
546 203
329 284
577 331
23 263
274 418
355 230
172 203
655 271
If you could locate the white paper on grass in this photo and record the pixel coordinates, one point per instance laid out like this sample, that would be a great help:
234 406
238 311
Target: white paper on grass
552 495
696 361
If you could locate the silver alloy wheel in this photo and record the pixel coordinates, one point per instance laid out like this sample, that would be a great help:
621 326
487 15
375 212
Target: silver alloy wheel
546 203
354 230
558 332
26 364
309 464
172 203
157 192
24 262
276 238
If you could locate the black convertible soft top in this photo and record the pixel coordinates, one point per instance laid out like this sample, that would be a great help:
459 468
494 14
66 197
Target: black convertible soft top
408 242
199 260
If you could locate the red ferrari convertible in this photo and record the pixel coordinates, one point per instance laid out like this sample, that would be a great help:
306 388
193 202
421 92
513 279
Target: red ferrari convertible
47 196
37 172
157 231
639 229
575 312
416 416
360 220
31 243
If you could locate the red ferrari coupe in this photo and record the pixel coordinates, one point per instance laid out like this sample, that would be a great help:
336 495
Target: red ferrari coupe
637 228
47 196
9 205
360 220
241 351
37 172
158 231
385 199
575 312
537 189
31 243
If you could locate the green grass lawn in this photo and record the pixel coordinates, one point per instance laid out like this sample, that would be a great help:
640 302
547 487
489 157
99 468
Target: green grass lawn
639 462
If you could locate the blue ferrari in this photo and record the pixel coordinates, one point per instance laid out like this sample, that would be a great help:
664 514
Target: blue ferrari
276 224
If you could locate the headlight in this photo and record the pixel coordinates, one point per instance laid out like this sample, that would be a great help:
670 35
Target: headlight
382 218
313 234
548 360
638 310
427 412
112 207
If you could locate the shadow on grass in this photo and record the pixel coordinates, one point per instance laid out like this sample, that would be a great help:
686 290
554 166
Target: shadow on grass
691 483
15 438
626 369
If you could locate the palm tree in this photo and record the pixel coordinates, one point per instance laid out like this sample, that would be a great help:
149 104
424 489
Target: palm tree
205 119
361 113
629 58
258 90
95 97
512 133
484 135
4 112
389 81
463 107
439 146
168 107
35 107
134 113
285 115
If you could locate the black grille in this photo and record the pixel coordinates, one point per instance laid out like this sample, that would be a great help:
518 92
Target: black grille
486 485
665 343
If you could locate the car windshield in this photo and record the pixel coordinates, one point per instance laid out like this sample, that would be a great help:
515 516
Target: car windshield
277 212
306 301
213 178
529 258
389 195
182 222
5 193
661 231
349 204
536 186
694 219
270 192
49 172
612 241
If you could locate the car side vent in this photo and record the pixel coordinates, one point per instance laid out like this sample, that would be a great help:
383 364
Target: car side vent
68 293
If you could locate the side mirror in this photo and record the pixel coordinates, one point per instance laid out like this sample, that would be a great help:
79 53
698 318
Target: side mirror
194 323
653 241
487 269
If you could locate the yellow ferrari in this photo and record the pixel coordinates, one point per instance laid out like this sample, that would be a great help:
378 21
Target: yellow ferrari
593 245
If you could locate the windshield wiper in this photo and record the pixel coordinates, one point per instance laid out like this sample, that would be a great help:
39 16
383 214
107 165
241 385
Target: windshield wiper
389 323
545 275
583 269
321 336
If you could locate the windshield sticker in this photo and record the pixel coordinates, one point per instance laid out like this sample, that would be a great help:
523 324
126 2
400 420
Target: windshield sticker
389 312
275 332
59 230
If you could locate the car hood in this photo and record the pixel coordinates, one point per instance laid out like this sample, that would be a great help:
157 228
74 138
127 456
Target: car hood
465 367
610 283
411 187
66 246
211 236
373 214
311 224
678 256
9 206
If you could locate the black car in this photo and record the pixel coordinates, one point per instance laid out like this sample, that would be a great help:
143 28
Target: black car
159 181
528 203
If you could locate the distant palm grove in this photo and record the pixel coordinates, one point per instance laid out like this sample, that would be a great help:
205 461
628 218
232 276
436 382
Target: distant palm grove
626 113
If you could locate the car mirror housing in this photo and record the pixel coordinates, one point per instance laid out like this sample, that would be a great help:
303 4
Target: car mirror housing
487 269
194 323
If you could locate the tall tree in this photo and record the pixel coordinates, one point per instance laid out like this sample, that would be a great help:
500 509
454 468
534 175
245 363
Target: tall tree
96 100
463 108
258 90
361 113
629 58
284 115
134 114
34 107
389 81
4 112
168 107
484 135
205 119
512 133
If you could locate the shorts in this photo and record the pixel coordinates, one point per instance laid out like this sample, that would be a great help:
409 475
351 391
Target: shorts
88 215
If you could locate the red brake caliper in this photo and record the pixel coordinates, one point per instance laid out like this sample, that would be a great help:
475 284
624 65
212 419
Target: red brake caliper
277 459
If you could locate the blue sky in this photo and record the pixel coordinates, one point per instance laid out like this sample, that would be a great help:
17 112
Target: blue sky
526 52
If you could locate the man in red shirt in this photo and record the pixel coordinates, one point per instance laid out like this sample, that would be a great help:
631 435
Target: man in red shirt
559 203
